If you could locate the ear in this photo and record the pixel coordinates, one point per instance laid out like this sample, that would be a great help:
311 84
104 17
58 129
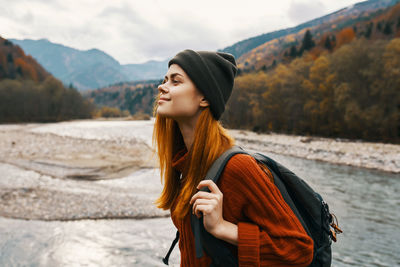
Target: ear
204 103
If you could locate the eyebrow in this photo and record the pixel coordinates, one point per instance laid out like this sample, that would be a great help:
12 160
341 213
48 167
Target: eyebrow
173 75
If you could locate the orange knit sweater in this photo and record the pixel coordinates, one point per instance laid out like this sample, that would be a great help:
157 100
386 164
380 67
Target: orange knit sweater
269 234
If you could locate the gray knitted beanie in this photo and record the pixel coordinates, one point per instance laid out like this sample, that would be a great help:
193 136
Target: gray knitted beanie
212 72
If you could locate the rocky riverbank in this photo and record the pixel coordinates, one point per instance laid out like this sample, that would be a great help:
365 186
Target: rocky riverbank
379 156
105 169
78 170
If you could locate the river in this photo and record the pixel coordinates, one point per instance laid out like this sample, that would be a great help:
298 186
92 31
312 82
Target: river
366 203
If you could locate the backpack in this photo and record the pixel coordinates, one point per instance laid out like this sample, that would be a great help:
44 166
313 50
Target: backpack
308 206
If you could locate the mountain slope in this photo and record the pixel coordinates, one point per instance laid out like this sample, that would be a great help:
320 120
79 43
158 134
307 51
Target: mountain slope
50 55
360 21
15 64
244 46
150 70
29 93
87 69
136 97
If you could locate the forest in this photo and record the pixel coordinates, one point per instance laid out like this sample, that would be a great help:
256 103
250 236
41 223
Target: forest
28 93
47 101
353 92
134 98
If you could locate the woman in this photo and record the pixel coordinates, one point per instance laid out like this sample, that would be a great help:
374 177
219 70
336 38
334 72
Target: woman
245 208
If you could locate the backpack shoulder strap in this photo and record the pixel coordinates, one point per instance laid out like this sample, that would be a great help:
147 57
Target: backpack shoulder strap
213 174
219 164
280 184
166 258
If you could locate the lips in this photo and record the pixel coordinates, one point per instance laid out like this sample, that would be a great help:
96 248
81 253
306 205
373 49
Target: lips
164 99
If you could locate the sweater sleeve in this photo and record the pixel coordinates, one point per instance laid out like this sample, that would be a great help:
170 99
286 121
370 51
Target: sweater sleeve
270 234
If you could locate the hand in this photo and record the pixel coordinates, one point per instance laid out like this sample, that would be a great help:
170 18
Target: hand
208 205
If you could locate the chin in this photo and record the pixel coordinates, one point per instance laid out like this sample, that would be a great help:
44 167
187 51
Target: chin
162 113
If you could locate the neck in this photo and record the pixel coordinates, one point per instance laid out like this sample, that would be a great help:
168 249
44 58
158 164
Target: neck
187 128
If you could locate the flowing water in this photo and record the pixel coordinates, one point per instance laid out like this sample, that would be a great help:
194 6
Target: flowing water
366 202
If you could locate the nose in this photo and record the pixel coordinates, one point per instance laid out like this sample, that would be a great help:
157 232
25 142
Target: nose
162 88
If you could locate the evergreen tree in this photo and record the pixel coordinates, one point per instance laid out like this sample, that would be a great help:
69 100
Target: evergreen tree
10 58
293 51
379 26
368 33
388 28
307 42
328 43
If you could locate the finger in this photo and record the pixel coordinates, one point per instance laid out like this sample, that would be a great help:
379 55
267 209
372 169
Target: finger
210 202
210 185
201 210
202 194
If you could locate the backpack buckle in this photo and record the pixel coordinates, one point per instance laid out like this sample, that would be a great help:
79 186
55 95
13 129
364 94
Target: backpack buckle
336 230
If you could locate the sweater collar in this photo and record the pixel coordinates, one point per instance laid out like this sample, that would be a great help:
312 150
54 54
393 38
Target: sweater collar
179 160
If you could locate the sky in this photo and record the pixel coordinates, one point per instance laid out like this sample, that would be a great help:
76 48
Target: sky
135 31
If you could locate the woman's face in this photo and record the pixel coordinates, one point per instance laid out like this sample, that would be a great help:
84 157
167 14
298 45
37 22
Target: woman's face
179 97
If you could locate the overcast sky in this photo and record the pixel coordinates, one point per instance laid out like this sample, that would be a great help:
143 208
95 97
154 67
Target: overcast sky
135 31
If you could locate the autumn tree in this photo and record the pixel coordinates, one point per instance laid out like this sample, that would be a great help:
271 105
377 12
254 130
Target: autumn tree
345 36
351 93
27 100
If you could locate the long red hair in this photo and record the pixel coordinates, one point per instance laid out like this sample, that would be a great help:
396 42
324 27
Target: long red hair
210 141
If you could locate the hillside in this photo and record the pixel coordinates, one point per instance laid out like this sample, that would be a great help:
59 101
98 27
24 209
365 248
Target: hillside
352 93
360 22
146 71
135 97
351 12
337 79
14 64
88 69
29 93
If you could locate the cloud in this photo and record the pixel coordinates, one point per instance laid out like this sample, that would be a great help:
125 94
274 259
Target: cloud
302 11
123 13
28 18
142 37
137 31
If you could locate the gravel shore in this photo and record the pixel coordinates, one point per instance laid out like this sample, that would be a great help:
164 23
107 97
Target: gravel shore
105 169
379 156
77 170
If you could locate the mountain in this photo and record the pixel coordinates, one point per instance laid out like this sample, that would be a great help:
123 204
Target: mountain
28 93
87 69
244 46
14 64
371 19
145 71
339 78
338 27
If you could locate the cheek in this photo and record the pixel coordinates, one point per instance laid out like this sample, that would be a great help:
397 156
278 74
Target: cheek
180 105
185 105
